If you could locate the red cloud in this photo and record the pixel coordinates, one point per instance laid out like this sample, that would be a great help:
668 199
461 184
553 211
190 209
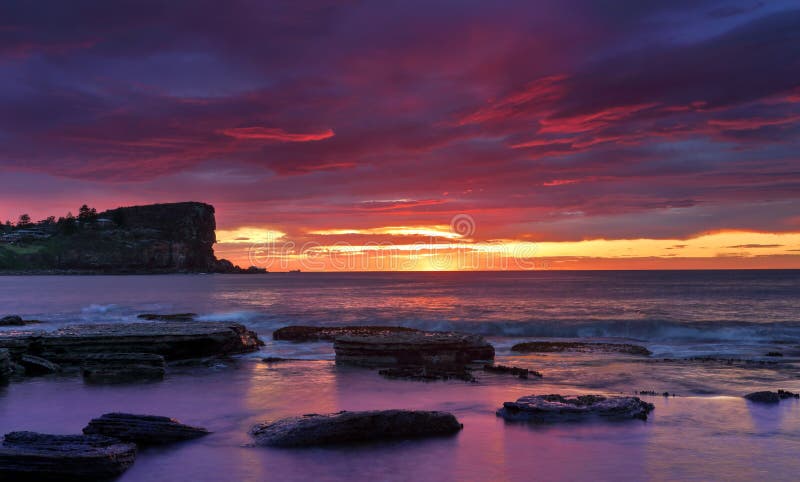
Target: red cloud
275 134
537 94
746 124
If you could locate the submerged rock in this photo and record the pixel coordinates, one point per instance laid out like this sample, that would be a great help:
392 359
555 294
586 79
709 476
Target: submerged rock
6 369
653 393
347 427
416 348
11 320
143 429
172 340
15 320
770 397
520 372
209 361
329 333
35 365
557 408
428 373
278 359
579 346
122 367
167 317
36 457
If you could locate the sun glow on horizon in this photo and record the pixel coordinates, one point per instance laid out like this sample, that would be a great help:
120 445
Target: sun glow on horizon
248 235
392 252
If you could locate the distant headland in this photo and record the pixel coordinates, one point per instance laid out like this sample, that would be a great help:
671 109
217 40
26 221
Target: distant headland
155 238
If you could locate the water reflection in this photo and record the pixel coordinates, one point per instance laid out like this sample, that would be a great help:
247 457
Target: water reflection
697 438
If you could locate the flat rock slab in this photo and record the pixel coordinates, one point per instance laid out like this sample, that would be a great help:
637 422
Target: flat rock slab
577 346
418 348
167 317
770 397
122 367
329 333
171 339
349 427
35 365
143 429
42 457
557 408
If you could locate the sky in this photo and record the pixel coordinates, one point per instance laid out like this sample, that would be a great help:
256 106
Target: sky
418 135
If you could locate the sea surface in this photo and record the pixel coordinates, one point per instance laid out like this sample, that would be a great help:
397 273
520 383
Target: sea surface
709 331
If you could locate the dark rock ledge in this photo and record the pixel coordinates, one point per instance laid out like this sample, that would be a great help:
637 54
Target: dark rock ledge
121 352
29 456
106 449
122 367
770 397
523 373
16 320
579 346
35 365
557 408
143 429
349 427
416 348
172 340
167 317
300 333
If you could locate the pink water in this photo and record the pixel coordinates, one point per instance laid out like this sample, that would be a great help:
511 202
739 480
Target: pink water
707 432
686 438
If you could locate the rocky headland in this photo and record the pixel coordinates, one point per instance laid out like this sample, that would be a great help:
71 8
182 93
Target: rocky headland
155 238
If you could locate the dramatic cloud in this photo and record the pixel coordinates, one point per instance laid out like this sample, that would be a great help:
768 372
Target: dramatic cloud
551 121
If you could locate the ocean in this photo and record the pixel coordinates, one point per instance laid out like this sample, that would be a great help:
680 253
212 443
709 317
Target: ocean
709 331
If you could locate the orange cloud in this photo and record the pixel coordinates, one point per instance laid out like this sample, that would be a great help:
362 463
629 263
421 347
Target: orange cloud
560 182
275 134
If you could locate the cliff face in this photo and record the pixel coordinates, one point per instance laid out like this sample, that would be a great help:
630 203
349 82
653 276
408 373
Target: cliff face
177 237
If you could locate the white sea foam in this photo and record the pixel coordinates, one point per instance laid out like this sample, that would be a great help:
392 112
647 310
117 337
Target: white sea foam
98 309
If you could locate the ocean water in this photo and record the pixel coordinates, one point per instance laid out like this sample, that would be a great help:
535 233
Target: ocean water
705 432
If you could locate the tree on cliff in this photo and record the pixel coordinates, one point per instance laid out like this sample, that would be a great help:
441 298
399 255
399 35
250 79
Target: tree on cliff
24 221
67 225
87 214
